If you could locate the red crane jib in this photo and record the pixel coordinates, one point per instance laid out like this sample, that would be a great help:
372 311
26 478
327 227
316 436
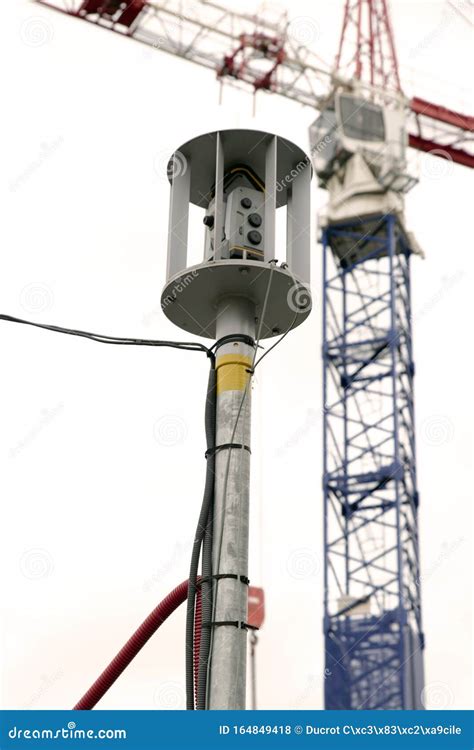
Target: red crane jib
442 151
110 7
437 112
366 51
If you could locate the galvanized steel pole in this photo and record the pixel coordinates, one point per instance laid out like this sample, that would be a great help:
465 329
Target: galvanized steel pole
228 655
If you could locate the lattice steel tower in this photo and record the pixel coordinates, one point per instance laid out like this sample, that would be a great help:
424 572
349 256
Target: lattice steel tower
372 612
372 624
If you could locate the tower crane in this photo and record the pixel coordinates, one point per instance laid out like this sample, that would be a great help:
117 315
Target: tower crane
373 629
265 56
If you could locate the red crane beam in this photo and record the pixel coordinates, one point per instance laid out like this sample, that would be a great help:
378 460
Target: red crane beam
457 155
442 142
437 112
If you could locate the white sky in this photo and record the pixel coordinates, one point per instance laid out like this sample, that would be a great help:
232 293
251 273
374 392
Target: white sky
91 498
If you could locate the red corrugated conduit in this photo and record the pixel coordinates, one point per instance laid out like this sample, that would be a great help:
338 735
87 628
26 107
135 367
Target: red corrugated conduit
197 640
135 644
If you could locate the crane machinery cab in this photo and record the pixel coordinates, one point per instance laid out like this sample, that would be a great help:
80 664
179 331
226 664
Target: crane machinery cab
358 150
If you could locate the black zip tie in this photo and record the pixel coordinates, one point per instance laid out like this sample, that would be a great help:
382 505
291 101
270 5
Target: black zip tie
225 446
235 623
218 576
238 337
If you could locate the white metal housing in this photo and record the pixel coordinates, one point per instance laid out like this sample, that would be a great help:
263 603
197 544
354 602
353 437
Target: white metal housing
239 178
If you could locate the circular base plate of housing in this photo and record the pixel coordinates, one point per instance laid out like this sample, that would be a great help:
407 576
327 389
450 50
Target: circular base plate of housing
191 298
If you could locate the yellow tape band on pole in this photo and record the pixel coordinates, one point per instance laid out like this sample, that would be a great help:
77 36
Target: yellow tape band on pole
232 372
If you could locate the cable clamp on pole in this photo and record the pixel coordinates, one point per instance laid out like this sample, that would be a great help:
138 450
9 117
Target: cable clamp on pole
219 576
234 338
233 623
225 446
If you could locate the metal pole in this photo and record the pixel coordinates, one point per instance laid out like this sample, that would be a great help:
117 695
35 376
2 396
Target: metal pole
228 653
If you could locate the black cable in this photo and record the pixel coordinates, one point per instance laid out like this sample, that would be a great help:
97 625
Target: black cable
206 584
206 569
203 536
202 526
103 339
